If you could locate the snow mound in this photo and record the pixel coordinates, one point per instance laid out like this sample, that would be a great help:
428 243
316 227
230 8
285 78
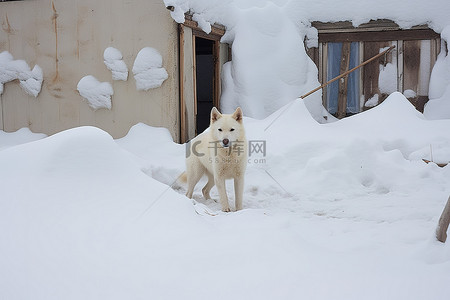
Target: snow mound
98 94
148 70
336 205
438 108
153 145
387 80
394 124
294 116
21 136
146 137
73 206
354 157
10 69
396 107
114 62
410 94
440 75
373 101
261 78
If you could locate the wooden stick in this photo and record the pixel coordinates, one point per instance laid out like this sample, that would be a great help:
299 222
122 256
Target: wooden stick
441 230
348 72
438 164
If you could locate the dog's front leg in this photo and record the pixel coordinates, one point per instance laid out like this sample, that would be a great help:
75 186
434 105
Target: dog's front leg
238 191
220 184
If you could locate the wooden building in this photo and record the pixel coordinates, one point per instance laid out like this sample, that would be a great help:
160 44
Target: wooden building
406 69
67 40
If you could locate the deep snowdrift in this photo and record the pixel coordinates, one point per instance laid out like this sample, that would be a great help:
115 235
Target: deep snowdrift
79 220
21 136
343 211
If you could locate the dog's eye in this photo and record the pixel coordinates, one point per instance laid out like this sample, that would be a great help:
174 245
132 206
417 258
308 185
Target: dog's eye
220 129
232 129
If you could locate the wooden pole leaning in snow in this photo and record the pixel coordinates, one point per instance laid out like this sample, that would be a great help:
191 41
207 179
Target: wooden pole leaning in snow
441 230
349 71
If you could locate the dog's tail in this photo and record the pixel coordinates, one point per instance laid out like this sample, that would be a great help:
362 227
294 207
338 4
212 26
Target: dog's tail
182 178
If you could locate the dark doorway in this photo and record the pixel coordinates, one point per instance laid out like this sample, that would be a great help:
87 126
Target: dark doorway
205 81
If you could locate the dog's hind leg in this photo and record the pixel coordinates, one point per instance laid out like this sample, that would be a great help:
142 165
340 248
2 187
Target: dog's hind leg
193 176
207 188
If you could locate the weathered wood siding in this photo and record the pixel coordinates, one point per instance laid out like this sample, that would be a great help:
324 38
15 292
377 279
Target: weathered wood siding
67 40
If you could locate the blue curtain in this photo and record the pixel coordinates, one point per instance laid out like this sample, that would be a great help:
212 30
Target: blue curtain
334 65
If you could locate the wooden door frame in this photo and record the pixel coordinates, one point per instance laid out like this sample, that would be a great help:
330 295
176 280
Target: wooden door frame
216 79
188 31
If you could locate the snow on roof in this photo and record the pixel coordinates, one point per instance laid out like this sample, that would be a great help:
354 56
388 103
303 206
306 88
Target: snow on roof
415 12
270 67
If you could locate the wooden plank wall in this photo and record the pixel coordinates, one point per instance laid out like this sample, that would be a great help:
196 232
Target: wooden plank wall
418 60
67 39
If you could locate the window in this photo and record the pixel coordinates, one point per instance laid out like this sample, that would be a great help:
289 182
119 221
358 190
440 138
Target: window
406 69
343 56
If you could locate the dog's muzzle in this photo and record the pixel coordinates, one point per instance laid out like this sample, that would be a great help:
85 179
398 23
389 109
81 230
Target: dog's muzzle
226 143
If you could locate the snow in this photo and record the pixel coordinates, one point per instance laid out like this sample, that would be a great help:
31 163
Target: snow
373 101
30 80
21 136
205 26
387 80
438 107
345 210
409 94
425 67
98 94
114 62
147 69
440 76
263 79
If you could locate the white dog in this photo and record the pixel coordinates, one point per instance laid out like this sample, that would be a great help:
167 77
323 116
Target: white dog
220 152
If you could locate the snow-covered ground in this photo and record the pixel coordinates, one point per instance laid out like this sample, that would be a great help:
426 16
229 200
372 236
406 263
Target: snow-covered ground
345 210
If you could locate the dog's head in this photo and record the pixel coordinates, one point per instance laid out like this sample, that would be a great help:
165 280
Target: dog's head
227 129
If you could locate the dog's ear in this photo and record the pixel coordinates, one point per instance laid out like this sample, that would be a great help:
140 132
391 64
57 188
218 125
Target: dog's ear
215 115
237 115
